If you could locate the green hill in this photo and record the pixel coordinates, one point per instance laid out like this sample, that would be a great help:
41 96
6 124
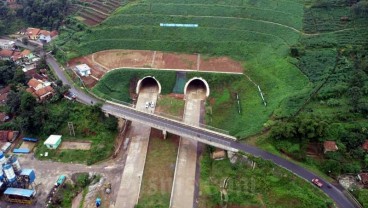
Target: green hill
257 33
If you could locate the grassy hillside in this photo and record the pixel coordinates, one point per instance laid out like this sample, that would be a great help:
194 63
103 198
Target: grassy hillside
335 59
257 33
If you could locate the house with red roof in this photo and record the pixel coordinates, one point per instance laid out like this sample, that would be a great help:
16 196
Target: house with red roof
40 89
6 54
32 33
330 146
41 35
4 94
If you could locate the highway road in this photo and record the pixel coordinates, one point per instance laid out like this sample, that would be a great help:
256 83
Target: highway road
335 193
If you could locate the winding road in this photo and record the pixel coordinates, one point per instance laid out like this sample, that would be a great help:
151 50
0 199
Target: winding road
335 193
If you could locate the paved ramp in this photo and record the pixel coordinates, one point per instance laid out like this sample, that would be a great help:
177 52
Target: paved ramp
132 176
182 195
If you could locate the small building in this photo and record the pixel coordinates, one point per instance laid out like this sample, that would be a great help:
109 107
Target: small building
53 141
46 36
6 54
32 33
6 44
4 95
363 178
218 154
8 136
329 146
365 145
27 55
83 70
40 89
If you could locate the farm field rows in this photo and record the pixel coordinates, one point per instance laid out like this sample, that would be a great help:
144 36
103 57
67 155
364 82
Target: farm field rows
93 12
258 34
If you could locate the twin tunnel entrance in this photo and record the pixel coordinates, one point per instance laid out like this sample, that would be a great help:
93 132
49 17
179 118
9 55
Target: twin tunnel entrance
197 86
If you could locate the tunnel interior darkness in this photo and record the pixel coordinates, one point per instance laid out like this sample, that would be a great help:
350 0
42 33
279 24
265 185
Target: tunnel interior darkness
196 85
148 84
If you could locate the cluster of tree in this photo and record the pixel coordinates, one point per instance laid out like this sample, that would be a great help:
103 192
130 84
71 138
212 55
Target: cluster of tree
360 8
358 88
29 115
44 13
6 17
11 74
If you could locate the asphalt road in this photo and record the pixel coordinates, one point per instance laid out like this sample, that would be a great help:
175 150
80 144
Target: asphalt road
334 193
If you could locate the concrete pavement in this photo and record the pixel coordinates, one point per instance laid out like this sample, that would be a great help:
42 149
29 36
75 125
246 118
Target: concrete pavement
131 180
183 191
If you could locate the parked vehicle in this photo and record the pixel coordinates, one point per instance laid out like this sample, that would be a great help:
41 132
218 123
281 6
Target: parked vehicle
317 182
70 96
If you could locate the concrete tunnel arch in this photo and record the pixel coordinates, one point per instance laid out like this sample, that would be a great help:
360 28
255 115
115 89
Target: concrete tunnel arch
200 79
139 84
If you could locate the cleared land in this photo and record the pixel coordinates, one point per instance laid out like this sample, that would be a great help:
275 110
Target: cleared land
76 145
114 59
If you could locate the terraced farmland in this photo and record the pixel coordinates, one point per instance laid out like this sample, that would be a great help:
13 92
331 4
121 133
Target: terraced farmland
256 33
93 12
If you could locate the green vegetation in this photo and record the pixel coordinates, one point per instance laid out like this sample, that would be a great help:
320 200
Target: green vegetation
70 189
335 60
265 185
158 173
257 33
170 105
362 196
118 84
90 124
10 21
44 13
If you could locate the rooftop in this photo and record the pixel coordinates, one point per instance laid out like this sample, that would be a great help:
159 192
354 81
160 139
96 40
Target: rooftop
53 139
365 145
32 31
6 53
34 83
364 177
82 67
26 52
43 91
19 192
330 146
4 41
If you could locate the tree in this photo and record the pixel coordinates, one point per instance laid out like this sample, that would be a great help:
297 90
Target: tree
355 94
25 40
13 103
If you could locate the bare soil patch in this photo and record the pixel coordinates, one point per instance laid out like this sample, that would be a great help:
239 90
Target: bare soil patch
104 61
76 145
89 81
175 61
28 145
220 64
124 58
